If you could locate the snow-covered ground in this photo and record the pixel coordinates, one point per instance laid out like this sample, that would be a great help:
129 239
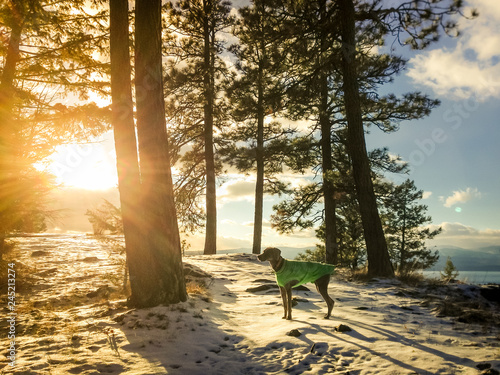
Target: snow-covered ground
73 322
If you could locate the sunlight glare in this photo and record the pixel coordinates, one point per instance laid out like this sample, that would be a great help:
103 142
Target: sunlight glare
89 166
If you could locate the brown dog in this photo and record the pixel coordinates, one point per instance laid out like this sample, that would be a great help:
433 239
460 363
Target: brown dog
291 274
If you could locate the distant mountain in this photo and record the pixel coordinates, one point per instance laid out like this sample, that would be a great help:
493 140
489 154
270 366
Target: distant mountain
482 259
286 252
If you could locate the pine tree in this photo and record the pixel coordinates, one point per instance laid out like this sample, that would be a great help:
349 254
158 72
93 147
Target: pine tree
421 22
257 142
405 229
449 272
199 23
48 57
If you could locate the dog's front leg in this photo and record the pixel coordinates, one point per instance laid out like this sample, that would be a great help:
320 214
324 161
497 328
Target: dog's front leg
285 301
288 290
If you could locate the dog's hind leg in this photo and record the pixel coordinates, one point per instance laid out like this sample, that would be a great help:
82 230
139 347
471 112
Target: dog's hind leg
284 297
322 287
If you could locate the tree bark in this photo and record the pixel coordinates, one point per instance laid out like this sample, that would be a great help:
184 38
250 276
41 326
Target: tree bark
208 82
331 247
160 278
402 263
259 185
122 120
7 127
378 256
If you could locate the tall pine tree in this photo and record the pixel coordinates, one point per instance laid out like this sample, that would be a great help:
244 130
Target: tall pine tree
420 22
198 24
258 142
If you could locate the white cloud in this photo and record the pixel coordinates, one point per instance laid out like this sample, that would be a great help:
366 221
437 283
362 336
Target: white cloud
237 190
462 196
473 67
226 243
229 222
461 235
265 223
426 194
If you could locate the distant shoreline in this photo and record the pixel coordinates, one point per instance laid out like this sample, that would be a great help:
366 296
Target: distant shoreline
473 275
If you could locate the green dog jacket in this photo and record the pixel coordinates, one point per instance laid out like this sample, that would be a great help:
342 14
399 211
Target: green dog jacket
303 272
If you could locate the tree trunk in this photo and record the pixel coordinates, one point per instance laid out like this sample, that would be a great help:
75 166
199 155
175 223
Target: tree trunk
122 119
331 247
378 256
158 269
402 264
7 127
259 185
208 82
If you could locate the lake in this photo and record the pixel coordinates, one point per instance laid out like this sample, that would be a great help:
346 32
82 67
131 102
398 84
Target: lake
470 277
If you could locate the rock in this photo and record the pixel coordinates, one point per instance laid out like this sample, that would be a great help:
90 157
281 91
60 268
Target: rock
261 288
343 328
46 272
483 366
193 271
491 292
294 333
490 371
298 299
39 253
101 291
90 259
361 308
319 348
474 317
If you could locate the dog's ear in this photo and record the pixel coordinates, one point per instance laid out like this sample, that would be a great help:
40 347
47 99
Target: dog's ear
274 252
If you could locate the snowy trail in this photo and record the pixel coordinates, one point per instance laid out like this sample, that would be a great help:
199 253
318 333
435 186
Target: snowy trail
75 323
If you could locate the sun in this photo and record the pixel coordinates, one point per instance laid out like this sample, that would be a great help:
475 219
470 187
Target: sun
90 166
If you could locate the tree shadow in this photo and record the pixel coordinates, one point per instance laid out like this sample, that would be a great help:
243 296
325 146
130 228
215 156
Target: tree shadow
367 344
186 339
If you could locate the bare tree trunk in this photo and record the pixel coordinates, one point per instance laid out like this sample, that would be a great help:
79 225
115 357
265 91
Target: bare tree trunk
331 247
378 256
259 186
125 141
208 82
7 127
159 274
402 263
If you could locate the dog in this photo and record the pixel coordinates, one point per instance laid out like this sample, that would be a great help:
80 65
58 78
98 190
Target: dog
290 274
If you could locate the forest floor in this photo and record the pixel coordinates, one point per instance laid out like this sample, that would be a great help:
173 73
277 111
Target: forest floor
72 319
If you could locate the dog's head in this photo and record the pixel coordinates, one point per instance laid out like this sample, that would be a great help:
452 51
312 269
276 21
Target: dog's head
271 254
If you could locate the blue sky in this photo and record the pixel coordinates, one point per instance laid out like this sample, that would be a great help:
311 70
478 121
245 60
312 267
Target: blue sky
454 153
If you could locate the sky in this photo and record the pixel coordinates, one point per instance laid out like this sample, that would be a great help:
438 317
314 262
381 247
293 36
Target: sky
454 153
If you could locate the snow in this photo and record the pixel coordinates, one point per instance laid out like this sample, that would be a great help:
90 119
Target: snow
226 329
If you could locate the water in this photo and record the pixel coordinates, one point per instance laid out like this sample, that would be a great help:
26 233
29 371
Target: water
68 251
471 277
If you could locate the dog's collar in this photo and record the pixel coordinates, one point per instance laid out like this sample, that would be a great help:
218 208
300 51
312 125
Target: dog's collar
280 265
